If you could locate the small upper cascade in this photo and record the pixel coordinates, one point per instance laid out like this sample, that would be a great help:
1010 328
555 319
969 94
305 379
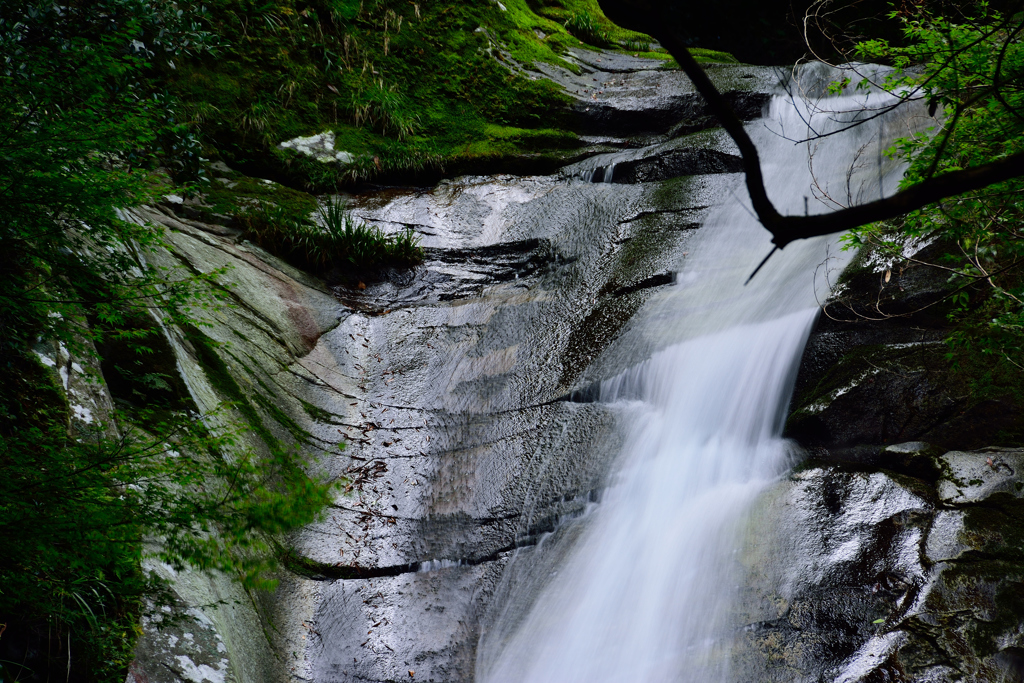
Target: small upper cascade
599 174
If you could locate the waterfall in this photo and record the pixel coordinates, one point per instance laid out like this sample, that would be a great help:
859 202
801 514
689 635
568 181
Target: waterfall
641 587
598 174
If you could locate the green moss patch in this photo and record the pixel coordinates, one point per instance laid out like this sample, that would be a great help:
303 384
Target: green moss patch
230 192
408 89
218 374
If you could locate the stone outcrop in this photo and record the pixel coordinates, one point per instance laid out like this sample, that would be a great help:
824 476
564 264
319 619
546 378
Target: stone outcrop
914 573
877 369
445 385
620 95
895 554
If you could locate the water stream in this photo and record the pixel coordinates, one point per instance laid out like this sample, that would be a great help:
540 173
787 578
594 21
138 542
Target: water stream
644 587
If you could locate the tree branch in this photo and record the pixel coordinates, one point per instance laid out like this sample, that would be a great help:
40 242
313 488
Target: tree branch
648 17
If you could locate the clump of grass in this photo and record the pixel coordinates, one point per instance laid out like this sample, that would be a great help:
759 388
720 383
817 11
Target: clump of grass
270 226
360 244
395 158
582 25
335 239
637 44
405 248
385 109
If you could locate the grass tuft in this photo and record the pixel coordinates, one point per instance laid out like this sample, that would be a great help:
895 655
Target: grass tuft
582 25
636 44
335 239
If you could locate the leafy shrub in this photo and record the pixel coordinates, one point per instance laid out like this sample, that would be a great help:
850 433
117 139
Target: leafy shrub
405 247
970 69
334 239
80 122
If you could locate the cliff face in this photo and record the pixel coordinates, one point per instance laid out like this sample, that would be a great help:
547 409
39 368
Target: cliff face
893 553
865 575
877 369
460 392
448 386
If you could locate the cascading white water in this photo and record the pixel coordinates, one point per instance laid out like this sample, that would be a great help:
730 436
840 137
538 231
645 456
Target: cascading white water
644 594
597 174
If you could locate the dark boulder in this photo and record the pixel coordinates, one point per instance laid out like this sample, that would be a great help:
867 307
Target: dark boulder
877 369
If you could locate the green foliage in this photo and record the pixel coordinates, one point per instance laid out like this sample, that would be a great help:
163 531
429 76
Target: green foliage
75 511
80 123
224 197
582 25
334 239
385 110
340 236
971 69
84 124
415 81
706 56
837 87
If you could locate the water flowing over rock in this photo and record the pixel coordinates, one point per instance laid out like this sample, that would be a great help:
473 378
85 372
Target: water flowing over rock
567 422
447 384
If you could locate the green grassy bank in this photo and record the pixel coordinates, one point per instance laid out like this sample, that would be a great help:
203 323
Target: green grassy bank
405 87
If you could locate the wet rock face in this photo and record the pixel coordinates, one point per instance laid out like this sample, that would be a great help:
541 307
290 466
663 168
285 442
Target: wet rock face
183 645
876 370
899 562
677 163
446 385
448 600
858 576
629 96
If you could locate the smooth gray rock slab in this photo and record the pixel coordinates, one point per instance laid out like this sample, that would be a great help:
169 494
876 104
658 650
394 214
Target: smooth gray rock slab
976 475
706 152
621 95
418 626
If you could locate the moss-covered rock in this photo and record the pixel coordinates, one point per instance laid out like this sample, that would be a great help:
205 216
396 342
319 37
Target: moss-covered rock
403 88
407 92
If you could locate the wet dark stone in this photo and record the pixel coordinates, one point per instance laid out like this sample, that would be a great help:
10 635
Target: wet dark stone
872 311
659 280
876 371
662 114
892 395
675 163
588 394
1011 663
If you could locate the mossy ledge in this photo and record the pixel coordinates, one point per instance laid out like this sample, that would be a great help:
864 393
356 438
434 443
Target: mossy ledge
410 92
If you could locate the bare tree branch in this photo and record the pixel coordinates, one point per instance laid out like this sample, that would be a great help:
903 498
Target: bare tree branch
649 17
